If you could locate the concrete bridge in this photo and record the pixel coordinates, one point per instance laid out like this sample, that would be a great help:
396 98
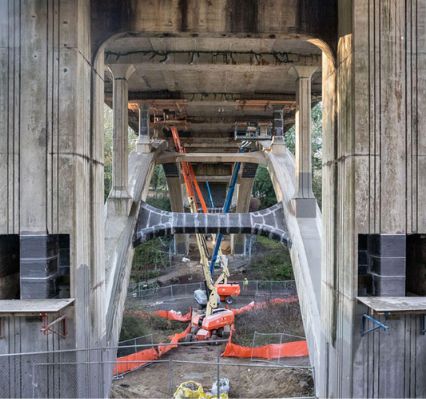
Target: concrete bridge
65 254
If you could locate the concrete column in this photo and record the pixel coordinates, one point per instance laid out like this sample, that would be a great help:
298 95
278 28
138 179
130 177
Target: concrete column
176 202
243 204
143 144
278 133
120 174
244 189
304 200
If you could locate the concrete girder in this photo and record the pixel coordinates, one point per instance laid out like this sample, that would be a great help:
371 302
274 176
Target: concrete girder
153 222
206 157
163 60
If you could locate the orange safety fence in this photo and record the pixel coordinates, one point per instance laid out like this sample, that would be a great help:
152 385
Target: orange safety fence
135 360
173 315
124 363
271 351
174 339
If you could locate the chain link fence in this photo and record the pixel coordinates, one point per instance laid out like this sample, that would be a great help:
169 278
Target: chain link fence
89 374
250 288
129 346
261 339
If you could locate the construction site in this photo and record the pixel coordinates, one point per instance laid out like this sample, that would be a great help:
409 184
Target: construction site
212 198
214 316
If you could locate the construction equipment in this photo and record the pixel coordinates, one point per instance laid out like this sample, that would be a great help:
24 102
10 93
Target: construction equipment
223 278
253 131
212 322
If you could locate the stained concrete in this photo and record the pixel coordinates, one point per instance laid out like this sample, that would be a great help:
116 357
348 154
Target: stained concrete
373 91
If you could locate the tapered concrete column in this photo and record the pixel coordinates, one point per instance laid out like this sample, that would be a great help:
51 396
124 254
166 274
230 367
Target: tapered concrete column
171 171
304 200
243 204
120 174
244 189
278 126
144 143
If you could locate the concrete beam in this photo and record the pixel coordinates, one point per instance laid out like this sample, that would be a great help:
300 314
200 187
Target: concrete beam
213 60
153 222
206 157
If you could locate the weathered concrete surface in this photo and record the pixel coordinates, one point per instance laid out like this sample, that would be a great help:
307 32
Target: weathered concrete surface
51 162
118 242
304 200
244 189
373 154
306 237
288 18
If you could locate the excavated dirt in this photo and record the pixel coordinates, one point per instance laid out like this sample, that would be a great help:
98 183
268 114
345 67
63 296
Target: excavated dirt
282 318
246 380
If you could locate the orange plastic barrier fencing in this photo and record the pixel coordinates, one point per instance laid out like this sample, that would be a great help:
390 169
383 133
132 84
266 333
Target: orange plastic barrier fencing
172 315
174 339
135 360
271 351
124 364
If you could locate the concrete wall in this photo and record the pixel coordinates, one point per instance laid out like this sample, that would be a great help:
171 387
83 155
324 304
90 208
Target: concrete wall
373 156
51 170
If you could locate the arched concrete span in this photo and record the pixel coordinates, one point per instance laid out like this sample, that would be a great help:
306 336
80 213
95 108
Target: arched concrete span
120 221
153 222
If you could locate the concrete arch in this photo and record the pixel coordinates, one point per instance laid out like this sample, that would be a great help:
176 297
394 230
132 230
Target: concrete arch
306 236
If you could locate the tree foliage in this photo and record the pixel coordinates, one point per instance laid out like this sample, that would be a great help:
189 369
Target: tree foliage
290 140
108 134
263 188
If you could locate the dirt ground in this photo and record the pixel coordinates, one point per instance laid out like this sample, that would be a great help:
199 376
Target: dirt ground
276 319
247 379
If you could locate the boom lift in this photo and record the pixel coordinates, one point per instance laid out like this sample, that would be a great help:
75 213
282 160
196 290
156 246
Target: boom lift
214 321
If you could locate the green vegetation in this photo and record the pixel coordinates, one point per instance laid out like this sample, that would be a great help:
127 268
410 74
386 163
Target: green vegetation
263 189
290 138
151 259
136 324
158 191
275 319
262 186
108 128
270 261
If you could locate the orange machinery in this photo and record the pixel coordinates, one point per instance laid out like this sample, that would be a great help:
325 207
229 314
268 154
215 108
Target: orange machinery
213 322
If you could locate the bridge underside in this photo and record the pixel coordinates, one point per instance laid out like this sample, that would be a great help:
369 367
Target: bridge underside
205 66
